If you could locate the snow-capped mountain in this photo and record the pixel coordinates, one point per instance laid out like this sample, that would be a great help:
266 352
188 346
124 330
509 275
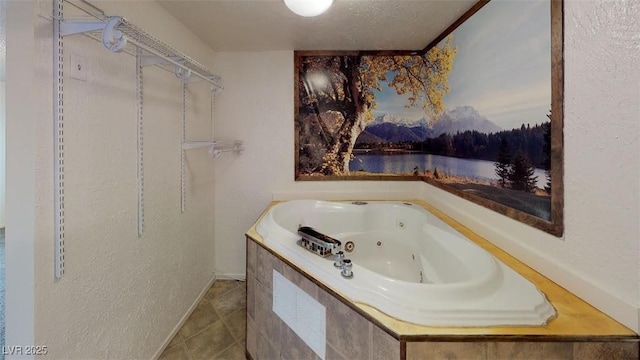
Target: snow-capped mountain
391 128
461 119
398 120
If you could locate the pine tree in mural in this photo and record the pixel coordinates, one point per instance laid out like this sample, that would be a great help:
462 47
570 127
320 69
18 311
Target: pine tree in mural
546 148
521 174
503 164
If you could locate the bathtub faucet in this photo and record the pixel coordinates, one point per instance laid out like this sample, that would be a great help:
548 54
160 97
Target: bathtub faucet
317 242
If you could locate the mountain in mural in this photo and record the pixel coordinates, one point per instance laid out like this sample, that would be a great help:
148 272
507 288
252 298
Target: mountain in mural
461 119
391 133
398 120
390 128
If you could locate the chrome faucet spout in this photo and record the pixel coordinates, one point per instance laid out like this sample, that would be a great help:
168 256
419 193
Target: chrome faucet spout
321 244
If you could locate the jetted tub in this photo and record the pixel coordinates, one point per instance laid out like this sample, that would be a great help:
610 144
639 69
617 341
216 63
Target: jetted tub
407 263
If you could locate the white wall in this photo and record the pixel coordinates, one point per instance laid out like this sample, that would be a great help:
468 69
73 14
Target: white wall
20 167
121 295
599 256
257 107
3 61
2 152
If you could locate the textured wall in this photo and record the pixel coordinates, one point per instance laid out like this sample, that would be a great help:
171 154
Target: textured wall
602 145
599 256
257 107
20 170
3 61
2 153
121 295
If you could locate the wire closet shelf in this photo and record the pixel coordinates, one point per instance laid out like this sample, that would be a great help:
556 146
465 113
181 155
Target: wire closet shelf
116 34
119 35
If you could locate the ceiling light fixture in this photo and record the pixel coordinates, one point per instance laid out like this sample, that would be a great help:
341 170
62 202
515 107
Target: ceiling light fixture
308 8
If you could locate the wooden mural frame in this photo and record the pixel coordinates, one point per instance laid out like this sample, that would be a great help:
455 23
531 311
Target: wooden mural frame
554 225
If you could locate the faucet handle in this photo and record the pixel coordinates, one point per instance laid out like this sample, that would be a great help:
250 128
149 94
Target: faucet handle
339 259
346 269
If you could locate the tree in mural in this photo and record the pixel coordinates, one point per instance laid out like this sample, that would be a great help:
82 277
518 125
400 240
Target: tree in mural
503 164
337 95
546 148
521 173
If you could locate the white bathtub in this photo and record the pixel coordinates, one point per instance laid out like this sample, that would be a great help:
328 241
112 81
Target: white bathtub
407 263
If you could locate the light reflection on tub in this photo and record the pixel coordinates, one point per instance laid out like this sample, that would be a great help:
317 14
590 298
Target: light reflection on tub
407 263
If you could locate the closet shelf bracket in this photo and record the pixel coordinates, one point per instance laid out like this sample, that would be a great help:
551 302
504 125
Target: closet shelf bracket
216 148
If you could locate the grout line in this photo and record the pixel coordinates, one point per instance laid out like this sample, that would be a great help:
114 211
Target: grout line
229 327
236 339
215 356
203 329
228 290
183 320
188 351
186 348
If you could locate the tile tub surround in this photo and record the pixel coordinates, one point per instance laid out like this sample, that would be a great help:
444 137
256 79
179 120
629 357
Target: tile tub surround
349 335
579 332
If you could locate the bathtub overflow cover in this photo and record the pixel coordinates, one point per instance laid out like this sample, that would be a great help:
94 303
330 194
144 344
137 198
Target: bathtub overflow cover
349 246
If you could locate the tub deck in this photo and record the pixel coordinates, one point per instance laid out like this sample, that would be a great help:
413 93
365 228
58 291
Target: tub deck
576 320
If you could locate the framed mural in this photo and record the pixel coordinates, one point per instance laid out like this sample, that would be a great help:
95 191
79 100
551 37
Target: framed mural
478 112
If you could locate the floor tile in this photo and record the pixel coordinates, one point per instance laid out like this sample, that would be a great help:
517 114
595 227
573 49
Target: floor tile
210 342
220 287
177 340
203 316
178 352
237 323
229 302
235 352
213 332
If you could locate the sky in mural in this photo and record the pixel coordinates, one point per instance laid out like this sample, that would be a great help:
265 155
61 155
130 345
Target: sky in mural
502 68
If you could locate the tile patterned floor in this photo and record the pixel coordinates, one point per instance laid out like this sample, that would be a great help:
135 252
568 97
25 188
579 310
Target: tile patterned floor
216 329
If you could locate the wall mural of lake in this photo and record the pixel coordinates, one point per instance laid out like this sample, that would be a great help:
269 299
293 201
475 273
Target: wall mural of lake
472 113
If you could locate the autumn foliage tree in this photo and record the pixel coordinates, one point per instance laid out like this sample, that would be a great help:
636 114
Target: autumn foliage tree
337 94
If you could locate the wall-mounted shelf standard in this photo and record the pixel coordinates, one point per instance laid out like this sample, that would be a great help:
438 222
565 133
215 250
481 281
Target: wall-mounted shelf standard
117 35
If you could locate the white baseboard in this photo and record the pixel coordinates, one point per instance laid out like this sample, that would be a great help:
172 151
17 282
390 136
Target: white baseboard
176 328
231 276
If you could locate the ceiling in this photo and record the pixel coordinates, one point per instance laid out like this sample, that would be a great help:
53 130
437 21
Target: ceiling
257 25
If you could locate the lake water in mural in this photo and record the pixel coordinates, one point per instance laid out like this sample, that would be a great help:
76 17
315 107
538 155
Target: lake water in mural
405 164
